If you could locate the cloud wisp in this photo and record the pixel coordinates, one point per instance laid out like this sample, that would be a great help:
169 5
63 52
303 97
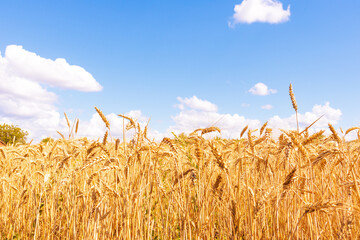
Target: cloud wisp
264 11
267 107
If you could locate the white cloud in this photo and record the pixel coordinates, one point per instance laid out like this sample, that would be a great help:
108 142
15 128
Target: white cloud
56 73
266 11
24 101
331 115
261 89
41 127
267 107
197 104
92 128
230 125
95 127
187 120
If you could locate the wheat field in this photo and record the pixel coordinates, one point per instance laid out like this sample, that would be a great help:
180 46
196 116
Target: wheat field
297 186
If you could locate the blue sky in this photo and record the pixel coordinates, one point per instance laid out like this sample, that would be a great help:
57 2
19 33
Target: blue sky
147 55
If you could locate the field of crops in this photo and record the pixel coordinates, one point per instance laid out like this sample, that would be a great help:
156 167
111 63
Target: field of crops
297 186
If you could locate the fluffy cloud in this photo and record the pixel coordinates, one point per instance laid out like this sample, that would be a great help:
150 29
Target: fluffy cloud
267 11
267 107
191 118
41 127
187 120
261 89
230 125
330 115
194 116
25 101
95 127
56 73
197 104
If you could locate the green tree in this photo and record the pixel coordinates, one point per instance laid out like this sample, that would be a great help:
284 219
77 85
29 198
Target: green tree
10 133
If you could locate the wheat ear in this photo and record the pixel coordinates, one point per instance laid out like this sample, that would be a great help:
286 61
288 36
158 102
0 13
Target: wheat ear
293 101
243 131
77 126
210 129
67 120
336 136
263 128
103 117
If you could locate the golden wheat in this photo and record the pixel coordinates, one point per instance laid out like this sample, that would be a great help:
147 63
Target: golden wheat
102 116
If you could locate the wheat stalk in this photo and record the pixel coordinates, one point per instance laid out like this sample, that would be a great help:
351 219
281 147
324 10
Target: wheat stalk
263 128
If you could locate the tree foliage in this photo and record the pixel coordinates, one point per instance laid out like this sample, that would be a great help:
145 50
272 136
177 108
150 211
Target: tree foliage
12 134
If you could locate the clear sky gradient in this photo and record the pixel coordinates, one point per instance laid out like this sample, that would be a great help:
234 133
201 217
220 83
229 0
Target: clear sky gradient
184 64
